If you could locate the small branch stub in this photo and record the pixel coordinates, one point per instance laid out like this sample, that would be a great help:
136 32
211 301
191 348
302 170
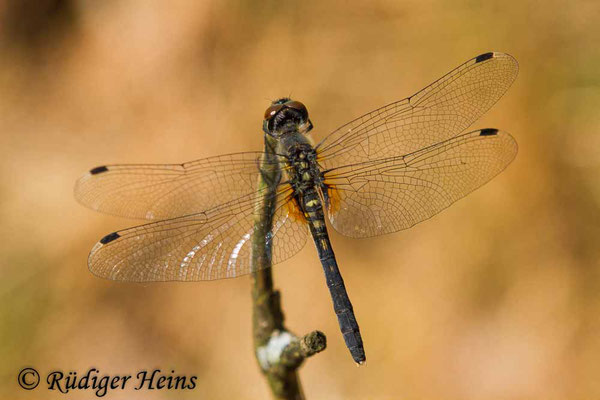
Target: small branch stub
286 350
295 352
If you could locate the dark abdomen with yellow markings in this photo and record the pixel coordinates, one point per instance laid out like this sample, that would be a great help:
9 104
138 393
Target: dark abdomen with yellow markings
309 194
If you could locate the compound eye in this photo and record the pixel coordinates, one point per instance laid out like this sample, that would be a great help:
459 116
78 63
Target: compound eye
296 105
271 111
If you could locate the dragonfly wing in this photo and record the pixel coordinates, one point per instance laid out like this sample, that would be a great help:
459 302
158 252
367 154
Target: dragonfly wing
388 195
150 192
438 112
214 244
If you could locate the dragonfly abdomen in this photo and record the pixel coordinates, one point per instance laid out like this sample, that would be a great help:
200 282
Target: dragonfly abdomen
306 181
313 211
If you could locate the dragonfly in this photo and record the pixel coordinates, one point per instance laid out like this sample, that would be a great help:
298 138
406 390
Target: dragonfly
380 173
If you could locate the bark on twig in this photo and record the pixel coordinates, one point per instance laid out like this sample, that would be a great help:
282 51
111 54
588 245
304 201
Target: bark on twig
278 351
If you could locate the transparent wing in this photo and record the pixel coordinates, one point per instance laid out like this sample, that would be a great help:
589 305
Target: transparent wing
378 197
438 112
214 244
169 190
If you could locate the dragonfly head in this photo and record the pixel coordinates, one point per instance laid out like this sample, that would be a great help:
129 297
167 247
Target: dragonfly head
284 116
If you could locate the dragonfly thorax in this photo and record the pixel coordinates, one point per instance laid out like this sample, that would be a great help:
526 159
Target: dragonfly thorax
303 169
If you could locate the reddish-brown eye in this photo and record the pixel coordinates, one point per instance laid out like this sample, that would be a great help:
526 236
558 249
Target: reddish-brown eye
273 110
296 105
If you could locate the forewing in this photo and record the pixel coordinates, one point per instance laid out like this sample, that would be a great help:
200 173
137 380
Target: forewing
388 195
436 113
215 244
170 190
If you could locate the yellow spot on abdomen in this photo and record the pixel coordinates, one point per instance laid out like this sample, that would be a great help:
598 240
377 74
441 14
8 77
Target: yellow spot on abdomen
324 245
312 203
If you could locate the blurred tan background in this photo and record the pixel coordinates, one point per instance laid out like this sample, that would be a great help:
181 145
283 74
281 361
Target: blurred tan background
495 298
